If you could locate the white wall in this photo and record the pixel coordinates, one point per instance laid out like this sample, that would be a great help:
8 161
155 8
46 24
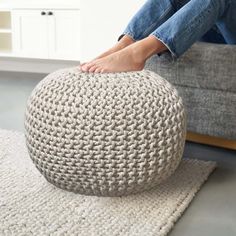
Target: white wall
102 22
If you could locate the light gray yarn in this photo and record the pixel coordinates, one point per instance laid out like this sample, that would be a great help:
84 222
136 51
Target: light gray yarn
29 206
109 134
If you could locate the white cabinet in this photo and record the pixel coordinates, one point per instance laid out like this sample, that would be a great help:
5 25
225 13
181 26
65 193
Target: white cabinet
64 34
5 33
46 34
30 33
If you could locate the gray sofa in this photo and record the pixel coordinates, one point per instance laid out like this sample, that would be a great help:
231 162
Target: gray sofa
205 77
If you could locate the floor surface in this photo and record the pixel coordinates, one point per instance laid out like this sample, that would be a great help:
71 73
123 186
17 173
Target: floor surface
213 210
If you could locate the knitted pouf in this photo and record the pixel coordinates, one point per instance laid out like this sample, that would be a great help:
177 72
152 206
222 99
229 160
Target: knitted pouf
105 134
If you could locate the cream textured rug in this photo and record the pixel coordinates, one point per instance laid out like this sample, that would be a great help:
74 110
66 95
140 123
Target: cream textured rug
29 205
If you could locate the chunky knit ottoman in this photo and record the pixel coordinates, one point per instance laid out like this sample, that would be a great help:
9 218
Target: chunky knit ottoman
108 134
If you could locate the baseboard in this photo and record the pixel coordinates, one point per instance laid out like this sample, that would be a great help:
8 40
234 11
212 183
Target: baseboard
210 140
34 65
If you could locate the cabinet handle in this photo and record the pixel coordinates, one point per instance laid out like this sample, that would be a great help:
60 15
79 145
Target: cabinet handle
50 13
43 13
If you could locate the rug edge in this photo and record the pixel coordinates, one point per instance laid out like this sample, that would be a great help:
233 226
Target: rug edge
189 198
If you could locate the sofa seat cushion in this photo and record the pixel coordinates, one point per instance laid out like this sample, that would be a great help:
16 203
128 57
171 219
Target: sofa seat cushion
204 65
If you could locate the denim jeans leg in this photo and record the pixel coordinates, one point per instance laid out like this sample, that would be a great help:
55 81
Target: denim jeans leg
227 23
150 16
189 24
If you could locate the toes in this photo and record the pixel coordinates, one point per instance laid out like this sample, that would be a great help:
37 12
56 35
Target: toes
103 70
92 68
81 65
98 70
87 66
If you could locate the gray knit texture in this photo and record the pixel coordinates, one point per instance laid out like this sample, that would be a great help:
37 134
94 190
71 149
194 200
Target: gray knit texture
205 77
108 134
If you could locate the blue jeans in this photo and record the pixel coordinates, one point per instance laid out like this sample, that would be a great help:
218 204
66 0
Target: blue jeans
180 23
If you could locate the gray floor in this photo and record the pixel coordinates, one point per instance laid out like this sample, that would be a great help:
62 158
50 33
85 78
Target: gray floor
213 210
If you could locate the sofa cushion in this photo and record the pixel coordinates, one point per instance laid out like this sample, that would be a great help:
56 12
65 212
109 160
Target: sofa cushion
204 65
210 112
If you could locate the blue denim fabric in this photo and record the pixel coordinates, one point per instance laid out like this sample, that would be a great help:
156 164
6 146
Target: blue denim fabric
180 23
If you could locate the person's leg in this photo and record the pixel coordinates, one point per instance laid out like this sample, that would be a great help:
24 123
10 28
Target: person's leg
189 24
176 34
151 15
130 58
227 23
213 36
124 42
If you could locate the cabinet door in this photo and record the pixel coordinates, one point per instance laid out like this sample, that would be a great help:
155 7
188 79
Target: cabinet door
64 34
30 33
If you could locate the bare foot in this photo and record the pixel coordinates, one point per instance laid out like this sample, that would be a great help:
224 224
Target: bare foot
122 60
122 43
130 58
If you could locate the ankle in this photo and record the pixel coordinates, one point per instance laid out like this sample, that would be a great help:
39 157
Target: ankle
137 53
150 46
126 40
145 48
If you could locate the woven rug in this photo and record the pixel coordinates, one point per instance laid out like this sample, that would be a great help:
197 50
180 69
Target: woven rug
29 205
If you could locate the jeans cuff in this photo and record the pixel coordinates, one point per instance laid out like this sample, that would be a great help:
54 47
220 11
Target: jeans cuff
126 33
173 54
